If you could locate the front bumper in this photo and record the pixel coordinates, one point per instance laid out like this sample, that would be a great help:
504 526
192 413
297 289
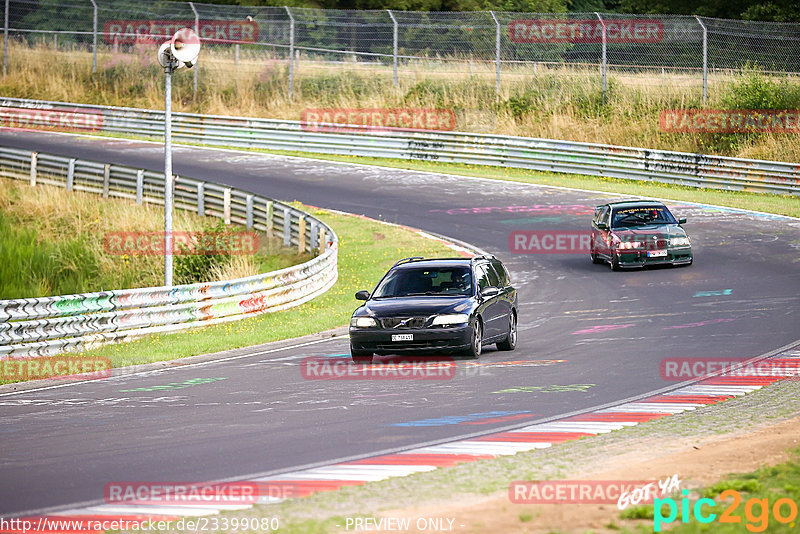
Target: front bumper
379 340
638 258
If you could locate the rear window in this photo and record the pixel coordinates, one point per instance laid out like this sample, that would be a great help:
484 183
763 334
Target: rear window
501 273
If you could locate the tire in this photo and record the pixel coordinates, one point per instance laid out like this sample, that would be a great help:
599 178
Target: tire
360 356
595 258
614 262
510 342
476 344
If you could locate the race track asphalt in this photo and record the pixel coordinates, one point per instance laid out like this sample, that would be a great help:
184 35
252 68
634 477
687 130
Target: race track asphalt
601 333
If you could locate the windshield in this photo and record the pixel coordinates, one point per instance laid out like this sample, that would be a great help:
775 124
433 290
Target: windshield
440 282
628 217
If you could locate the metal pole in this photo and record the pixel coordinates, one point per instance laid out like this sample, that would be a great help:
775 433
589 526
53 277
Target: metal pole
497 54
291 51
168 176
197 31
604 64
394 44
94 37
705 58
5 42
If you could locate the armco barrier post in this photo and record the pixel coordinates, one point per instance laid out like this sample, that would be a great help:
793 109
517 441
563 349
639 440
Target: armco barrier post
270 223
201 199
249 212
139 185
287 227
705 58
106 179
301 235
497 54
394 45
71 174
34 157
291 50
226 205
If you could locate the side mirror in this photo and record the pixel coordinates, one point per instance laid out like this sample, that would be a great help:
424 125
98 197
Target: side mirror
362 295
682 221
489 292
602 226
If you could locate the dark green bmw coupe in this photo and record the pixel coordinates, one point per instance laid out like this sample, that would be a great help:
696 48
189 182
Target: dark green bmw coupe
637 233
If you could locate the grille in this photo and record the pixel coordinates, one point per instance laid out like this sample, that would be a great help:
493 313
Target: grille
401 323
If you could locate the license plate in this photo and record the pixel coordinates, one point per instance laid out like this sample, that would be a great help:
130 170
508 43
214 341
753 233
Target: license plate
656 253
402 337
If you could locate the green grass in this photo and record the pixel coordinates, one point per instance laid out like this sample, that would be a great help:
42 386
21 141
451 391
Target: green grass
766 485
366 250
30 267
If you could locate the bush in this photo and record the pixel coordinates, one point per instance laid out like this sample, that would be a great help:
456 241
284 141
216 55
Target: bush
752 89
193 268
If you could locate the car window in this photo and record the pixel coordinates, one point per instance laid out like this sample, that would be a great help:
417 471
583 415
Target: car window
493 279
502 273
641 216
598 211
601 215
425 281
482 276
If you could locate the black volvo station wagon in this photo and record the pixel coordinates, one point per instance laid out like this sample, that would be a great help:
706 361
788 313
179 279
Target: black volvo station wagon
441 304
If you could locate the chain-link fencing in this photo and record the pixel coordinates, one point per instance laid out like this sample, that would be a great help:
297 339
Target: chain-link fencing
635 49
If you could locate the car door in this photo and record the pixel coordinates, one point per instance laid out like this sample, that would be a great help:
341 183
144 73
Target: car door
600 235
490 307
508 295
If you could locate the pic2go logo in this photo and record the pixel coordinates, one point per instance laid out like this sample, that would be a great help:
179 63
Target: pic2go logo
756 511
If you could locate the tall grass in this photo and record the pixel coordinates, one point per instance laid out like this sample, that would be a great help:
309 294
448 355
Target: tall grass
553 102
51 243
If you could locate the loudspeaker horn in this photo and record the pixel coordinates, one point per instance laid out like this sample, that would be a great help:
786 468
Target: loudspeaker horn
185 46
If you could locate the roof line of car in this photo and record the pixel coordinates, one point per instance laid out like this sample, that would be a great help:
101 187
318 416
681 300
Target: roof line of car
413 259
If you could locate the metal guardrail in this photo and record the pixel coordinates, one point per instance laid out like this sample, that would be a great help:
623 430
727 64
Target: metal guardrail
50 325
682 168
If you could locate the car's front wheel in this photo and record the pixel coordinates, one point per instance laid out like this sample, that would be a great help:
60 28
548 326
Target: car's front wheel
360 356
510 342
614 262
476 343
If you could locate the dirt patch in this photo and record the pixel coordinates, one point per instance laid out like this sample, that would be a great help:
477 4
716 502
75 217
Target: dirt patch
696 461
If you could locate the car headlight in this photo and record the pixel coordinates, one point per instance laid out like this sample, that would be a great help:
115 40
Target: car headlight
450 318
680 242
630 244
363 322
